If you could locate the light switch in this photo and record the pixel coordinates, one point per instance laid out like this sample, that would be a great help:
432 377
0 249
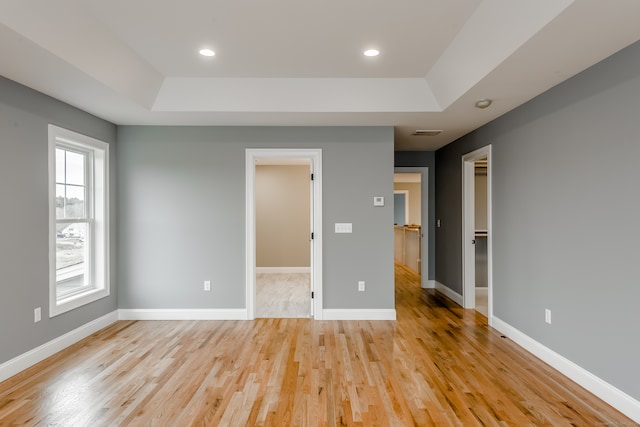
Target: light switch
378 201
343 227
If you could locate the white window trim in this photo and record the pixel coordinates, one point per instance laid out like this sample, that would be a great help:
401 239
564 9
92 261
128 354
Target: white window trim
100 207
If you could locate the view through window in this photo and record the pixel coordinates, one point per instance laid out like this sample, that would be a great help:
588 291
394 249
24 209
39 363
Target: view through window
73 225
79 221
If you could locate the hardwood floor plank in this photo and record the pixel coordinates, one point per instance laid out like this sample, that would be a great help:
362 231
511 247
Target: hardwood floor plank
437 365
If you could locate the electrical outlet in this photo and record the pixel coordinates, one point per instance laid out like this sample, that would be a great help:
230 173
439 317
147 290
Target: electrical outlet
361 286
547 315
207 285
37 315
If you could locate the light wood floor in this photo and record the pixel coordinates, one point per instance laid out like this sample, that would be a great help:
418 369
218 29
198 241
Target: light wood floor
437 365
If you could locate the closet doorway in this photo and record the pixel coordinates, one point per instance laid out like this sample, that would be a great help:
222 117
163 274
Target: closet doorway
477 235
282 233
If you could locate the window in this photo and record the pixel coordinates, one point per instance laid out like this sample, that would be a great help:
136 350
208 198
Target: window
79 220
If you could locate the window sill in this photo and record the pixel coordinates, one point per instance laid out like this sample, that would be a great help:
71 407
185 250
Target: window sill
71 302
68 273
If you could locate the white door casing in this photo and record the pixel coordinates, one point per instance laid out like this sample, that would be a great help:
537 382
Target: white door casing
315 157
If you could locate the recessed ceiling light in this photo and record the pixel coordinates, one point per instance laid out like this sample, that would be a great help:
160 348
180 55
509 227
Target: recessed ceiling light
371 52
483 103
207 52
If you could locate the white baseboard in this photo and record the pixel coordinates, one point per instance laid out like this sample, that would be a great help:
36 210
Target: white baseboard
284 270
358 314
183 314
456 297
38 354
429 284
605 391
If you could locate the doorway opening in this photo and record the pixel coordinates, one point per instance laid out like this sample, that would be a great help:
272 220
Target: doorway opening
283 233
477 235
283 230
411 220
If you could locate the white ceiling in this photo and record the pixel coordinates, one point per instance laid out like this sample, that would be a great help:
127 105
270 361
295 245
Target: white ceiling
300 63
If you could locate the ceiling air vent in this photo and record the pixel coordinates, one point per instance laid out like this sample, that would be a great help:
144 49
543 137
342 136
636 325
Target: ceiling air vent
426 132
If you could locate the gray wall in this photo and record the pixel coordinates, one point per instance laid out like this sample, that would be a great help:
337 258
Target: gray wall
24 246
283 215
424 159
182 213
565 217
399 209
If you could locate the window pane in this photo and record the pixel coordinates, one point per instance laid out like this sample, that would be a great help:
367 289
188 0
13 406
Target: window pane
59 201
71 257
59 165
70 244
75 168
74 207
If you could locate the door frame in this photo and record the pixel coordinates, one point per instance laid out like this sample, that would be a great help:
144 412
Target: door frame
424 218
315 157
468 229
